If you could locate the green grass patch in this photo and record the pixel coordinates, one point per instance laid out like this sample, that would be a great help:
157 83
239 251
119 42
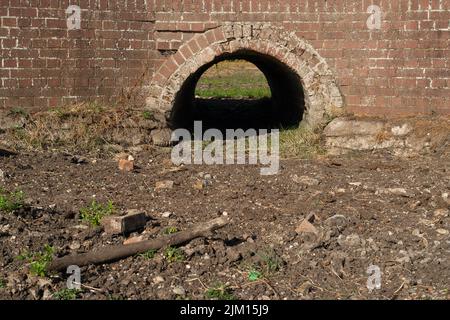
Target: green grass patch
254 275
219 291
173 254
171 230
2 283
10 201
147 115
39 261
94 213
233 80
150 254
66 294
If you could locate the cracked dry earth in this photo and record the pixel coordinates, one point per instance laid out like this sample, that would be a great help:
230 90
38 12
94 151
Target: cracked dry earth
368 209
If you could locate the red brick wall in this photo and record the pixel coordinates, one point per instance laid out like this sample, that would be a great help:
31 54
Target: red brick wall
403 68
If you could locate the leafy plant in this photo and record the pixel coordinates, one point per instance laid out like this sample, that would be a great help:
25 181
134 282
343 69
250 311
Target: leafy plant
147 115
219 291
171 230
2 283
10 201
173 254
150 254
254 275
18 112
271 262
39 261
96 211
66 294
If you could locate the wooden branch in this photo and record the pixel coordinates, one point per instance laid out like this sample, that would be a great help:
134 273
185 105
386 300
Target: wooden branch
114 253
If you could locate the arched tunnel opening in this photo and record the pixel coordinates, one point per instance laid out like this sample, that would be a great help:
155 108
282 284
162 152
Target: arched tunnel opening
283 107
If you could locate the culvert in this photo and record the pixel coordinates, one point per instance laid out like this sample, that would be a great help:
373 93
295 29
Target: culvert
303 86
283 109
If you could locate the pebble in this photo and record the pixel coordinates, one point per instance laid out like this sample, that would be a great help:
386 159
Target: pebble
166 184
352 240
306 180
158 279
166 214
75 245
179 291
438 213
442 231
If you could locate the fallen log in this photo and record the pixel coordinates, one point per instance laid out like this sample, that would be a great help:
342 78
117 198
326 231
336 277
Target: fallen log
114 253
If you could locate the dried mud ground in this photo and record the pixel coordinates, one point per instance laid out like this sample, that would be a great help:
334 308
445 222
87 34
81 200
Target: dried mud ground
370 209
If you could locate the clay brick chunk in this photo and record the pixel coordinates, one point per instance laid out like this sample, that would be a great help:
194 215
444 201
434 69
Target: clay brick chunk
124 224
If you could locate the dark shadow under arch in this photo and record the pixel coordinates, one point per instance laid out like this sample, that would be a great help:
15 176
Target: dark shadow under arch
284 109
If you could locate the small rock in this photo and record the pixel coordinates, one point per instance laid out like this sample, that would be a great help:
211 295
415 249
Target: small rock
165 184
134 240
443 232
126 164
441 213
401 130
309 181
395 191
446 198
75 245
166 214
2 175
399 192
306 227
337 220
179 291
78 160
352 240
158 280
356 184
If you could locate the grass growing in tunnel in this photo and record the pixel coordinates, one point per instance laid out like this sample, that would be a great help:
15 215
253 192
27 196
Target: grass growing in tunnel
233 80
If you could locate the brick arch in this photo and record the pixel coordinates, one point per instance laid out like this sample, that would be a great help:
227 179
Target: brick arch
321 93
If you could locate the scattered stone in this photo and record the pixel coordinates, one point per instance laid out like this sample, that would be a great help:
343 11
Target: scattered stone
402 192
309 181
126 164
306 227
441 213
124 224
180 291
352 240
78 160
356 184
158 280
166 214
401 130
443 232
200 184
134 240
165 184
2 175
75 245
446 198
337 220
